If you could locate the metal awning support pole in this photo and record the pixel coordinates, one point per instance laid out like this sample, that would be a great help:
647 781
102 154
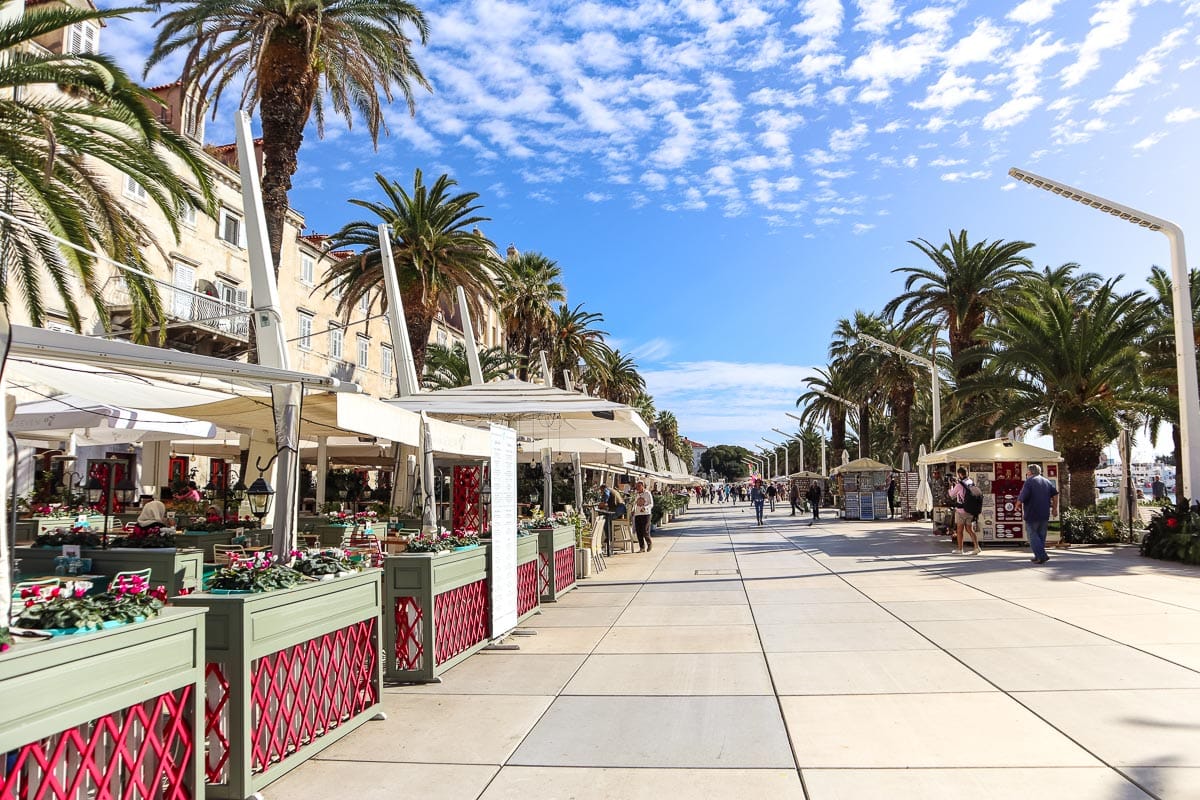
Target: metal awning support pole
272 345
322 469
469 334
578 482
428 477
547 481
407 383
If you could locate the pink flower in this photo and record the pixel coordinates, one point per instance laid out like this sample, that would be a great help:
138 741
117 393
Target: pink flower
80 591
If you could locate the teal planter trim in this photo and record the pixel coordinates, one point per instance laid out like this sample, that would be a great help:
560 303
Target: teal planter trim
465 547
262 639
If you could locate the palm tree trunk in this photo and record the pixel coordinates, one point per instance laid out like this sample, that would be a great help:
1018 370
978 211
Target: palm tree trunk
1177 442
420 320
287 86
1081 460
837 433
864 431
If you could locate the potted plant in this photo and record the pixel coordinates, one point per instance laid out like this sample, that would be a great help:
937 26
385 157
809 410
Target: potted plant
323 564
69 610
152 538
84 537
260 573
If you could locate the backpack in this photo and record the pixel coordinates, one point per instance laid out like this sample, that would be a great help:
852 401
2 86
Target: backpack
973 501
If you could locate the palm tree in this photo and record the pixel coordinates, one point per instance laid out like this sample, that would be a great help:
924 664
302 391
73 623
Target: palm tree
858 363
291 59
615 377
573 339
819 409
529 284
50 144
1161 371
446 367
1070 361
435 247
967 283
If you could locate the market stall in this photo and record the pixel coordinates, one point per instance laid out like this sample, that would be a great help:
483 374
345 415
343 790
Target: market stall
997 466
861 487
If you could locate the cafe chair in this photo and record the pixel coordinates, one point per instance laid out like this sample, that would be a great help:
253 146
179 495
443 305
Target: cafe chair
223 554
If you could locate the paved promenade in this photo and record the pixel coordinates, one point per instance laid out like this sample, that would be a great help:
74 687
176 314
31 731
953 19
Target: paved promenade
844 660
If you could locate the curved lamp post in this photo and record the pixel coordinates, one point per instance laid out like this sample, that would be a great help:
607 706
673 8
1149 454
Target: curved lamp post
924 362
1181 296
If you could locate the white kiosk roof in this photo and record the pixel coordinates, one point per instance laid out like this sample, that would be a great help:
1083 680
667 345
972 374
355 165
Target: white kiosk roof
1002 449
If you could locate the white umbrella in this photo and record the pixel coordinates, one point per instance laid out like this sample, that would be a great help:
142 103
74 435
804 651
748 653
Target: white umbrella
905 462
845 456
924 492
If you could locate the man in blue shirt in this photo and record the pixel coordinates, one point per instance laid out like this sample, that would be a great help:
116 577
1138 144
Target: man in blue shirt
1036 502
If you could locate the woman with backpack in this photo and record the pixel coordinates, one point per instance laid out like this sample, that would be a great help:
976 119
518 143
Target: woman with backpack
968 504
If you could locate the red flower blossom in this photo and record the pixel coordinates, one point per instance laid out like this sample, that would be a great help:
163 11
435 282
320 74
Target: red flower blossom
1172 523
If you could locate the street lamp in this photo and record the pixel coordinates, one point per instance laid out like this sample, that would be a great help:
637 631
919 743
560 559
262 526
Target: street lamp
853 407
787 469
259 496
767 456
798 441
924 362
1185 344
801 420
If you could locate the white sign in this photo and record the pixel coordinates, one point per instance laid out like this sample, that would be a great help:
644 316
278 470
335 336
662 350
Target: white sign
504 530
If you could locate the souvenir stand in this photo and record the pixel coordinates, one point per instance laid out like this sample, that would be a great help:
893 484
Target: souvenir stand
998 468
804 479
862 487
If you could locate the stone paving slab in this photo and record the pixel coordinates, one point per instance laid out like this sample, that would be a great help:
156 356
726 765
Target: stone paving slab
1020 783
1133 727
790 613
924 730
690 615
505 673
1168 783
700 732
683 674
558 639
322 780
807 637
1107 666
705 639
560 783
872 672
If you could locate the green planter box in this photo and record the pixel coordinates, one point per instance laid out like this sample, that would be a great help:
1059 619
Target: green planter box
438 608
289 673
104 705
176 569
556 557
29 529
529 600
332 535
204 541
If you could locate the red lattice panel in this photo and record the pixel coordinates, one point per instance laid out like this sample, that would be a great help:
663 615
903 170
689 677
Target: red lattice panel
140 752
564 568
527 587
465 507
460 620
216 723
543 574
410 648
301 693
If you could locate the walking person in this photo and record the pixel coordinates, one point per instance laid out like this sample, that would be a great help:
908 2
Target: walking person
968 503
643 504
813 496
771 492
891 492
758 497
1036 502
794 496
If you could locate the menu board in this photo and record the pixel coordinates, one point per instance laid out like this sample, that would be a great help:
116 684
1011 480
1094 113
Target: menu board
852 509
504 530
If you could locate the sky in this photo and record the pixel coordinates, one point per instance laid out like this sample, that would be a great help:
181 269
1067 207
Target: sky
724 180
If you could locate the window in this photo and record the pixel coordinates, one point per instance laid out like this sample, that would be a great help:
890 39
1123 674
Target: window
82 38
193 121
305 338
229 228
441 337
385 361
338 290
364 350
187 215
336 337
307 268
184 280
364 302
134 190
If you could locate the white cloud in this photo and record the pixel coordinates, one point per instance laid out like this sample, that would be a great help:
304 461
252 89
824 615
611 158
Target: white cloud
680 146
892 127
1182 115
596 197
1149 64
1031 12
1012 113
654 350
942 161
804 96
1008 187
859 229
847 140
654 181
956 177
876 16
1110 28
1027 63
979 46
822 21
1149 141
951 91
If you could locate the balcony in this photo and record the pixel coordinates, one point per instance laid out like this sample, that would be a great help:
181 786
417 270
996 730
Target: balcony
193 323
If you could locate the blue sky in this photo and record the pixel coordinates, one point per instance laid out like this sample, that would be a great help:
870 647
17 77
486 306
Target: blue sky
724 180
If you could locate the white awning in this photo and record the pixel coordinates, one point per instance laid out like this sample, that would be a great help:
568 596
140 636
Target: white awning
1001 449
535 411
590 451
61 417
